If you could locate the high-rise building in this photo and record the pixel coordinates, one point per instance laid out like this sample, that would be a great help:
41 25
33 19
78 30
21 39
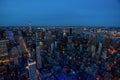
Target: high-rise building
81 47
52 47
56 44
38 53
100 48
70 31
15 55
3 58
10 35
30 29
93 48
64 32
38 57
3 49
32 70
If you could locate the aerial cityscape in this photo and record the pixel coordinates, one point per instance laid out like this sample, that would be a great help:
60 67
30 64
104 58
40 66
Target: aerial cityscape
59 53
59 39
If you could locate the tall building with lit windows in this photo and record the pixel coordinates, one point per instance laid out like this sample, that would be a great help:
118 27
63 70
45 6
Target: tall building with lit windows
3 49
3 58
32 70
10 36
38 52
64 32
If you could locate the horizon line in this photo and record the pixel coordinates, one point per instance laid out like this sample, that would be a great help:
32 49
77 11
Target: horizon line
54 26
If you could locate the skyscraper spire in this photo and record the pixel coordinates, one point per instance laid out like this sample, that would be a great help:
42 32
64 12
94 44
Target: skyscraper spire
30 23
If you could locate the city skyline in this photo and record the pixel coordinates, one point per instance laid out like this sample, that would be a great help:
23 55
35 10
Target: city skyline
39 53
60 13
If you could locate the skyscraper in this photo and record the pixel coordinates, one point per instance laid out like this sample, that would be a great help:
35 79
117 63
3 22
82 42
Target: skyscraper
100 48
10 35
15 55
32 70
64 32
70 31
38 53
93 48
52 47
30 29
81 48
3 49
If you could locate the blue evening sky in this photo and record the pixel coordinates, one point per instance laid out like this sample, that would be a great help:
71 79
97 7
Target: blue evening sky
60 12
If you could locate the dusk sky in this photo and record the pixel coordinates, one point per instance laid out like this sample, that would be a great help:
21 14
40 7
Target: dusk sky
60 12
